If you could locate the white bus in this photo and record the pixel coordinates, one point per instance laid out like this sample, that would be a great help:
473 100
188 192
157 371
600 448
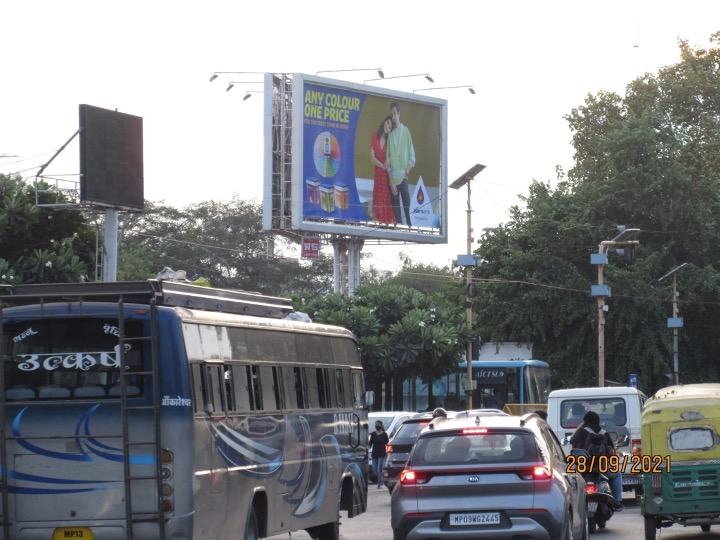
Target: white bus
158 409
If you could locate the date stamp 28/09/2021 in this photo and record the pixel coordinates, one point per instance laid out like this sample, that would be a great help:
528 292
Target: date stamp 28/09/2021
614 464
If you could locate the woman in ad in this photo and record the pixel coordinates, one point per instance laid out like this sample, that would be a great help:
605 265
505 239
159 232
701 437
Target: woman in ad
381 199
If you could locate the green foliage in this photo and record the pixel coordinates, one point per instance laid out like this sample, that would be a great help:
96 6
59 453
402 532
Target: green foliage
402 332
221 241
651 160
39 244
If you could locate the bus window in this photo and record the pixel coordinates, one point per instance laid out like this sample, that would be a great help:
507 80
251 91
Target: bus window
238 343
299 388
323 400
253 387
332 395
198 394
269 396
278 387
207 385
260 344
284 344
214 389
358 389
209 342
344 351
240 388
229 387
340 387
74 358
288 387
311 385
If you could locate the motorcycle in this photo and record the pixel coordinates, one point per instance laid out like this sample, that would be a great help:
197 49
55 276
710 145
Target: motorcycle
600 502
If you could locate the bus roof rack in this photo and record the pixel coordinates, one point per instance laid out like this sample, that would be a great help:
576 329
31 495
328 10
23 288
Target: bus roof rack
166 293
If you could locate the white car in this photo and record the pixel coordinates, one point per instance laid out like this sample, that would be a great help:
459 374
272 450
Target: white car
391 420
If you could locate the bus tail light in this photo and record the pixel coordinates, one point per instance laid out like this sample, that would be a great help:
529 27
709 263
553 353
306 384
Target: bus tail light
166 461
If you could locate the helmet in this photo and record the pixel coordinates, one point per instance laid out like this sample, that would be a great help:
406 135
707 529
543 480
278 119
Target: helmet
439 412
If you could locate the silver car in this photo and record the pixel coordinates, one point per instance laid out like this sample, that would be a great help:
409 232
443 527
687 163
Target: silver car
488 477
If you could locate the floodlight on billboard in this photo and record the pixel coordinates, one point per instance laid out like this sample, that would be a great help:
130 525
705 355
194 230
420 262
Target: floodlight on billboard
319 175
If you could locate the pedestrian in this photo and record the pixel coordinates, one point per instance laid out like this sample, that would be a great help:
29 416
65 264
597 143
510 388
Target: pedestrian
378 444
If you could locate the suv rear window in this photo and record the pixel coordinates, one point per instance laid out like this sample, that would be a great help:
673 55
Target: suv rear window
490 447
411 429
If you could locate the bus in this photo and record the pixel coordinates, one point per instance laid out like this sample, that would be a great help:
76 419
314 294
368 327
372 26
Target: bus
518 386
159 409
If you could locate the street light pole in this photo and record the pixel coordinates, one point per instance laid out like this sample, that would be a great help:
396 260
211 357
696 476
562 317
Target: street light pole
628 237
469 261
675 322
468 297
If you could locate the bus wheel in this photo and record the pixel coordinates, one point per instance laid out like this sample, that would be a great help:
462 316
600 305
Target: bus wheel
251 529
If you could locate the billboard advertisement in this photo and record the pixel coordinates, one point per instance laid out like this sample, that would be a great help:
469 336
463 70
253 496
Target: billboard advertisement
363 161
111 158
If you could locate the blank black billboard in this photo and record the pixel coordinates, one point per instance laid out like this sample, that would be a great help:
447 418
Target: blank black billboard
111 158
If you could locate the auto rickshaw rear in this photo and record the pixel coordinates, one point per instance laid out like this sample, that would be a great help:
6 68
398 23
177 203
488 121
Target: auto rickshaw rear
681 457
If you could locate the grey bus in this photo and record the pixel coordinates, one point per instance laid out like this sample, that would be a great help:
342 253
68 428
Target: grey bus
159 409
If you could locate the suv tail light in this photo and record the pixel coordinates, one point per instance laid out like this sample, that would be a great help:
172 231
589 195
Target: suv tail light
540 472
410 478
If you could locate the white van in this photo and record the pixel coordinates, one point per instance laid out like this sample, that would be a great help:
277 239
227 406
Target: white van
618 405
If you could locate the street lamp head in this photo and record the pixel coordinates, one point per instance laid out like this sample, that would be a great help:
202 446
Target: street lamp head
379 71
683 266
214 76
229 87
471 173
382 77
470 88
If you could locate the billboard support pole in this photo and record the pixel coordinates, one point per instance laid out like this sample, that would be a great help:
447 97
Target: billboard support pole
110 245
340 265
356 246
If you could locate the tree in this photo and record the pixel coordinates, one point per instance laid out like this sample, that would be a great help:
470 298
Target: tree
221 241
650 159
402 334
38 244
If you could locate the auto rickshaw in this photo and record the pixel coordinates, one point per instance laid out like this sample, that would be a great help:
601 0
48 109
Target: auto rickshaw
680 458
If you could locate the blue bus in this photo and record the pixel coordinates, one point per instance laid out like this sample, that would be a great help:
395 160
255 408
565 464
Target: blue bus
518 386
159 409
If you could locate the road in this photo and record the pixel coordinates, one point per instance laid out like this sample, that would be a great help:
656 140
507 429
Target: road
627 525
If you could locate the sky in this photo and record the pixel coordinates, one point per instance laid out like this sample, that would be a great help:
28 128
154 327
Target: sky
529 62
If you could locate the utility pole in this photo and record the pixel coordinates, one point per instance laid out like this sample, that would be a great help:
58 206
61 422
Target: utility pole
627 237
468 261
675 322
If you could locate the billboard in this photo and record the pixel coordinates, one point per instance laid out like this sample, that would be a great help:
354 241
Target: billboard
111 158
321 136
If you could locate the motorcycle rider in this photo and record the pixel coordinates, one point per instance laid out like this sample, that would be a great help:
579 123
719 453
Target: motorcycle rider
592 421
